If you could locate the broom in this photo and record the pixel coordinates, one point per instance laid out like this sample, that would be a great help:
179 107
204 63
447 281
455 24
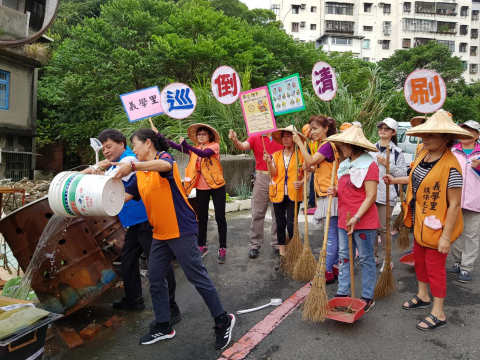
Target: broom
316 304
294 246
304 269
386 283
403 241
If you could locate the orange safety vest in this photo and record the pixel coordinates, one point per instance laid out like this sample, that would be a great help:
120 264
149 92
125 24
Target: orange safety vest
210 168
323 173
431 199
277 186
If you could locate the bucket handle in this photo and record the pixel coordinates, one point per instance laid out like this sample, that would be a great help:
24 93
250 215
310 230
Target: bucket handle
26 343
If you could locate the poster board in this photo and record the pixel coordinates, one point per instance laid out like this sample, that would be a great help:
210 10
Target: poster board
142 104
226 85
324 81
257 111
286 95
425 91
178 100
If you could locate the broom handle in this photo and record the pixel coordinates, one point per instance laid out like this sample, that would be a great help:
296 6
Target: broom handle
329 208
295 223
350 256
388 237
305 207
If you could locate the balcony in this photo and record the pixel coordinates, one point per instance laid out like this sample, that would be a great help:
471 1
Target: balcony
432 8
14 24
339 27
446 28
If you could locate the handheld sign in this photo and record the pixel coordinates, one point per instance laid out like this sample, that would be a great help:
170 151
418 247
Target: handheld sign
178 100
226 85
425 91
286 95
257 111
141 104
324 81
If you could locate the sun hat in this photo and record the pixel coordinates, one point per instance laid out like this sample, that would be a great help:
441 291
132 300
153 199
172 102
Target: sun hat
345 126
390 123
306 130
277 134
471 124
417 120
353 136
192 132
358 123
440 122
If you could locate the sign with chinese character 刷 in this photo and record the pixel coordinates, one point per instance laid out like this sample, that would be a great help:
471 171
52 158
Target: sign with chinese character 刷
141 104
257 111
425 91
324 81
226 85
178 100
286 95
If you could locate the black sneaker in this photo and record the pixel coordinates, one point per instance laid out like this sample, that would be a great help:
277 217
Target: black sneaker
223 331
128 306
253 253
175 315
370 304
157 332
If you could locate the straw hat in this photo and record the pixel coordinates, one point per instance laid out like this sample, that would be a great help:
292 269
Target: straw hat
306 130
417 120
440 123
345 126
353 136
277 134
192 132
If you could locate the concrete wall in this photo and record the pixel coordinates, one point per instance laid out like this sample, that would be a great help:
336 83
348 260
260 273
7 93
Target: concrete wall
13 24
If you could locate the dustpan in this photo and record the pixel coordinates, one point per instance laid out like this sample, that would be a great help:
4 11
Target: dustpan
408 259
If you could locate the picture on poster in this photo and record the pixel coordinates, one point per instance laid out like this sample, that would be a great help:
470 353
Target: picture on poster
142 104
178 100
257 111
226 85
286 95
324 81
425 91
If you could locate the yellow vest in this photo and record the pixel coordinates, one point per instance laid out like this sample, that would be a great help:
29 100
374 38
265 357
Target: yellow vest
323 173
277 187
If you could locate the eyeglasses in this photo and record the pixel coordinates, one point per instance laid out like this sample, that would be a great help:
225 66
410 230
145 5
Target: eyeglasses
384 128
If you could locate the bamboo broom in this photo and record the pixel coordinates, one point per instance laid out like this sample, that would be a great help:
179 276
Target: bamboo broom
386 283
403 241
316 304
305 267
294 248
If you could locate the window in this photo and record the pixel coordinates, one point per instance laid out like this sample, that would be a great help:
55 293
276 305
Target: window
385 44
406 43
367 7
4 89
366 59
407 7
464 11
474 34
473 68
366 44
313 26
368 28
295 26
462 48
387 28
473 51
302 24
446 27
475 15
295 9
276 9
448 43
465 65
313 9
387 8
339 26
419 25
463 29
341 41
339 8
424 7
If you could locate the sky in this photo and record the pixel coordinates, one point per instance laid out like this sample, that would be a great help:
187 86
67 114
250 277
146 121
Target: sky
252 4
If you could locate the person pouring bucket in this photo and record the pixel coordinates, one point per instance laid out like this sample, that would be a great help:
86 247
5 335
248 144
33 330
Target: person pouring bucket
434 196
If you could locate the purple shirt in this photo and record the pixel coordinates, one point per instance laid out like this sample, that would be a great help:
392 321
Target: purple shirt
327 151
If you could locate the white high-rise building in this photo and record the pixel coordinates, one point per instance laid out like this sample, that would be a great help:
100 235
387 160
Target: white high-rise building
374 29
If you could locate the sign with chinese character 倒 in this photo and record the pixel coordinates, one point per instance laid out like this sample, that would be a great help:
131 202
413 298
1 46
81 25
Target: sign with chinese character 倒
226 85
178 100
324 81
286 95
141 104
257 111
425 91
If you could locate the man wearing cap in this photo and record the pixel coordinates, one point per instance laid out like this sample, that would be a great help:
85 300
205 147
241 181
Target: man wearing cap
465 249
259 144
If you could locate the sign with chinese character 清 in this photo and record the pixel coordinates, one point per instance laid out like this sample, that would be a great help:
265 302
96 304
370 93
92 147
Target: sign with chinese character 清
178 100
324 81
286 95
226 85
425 91
141 104
257 111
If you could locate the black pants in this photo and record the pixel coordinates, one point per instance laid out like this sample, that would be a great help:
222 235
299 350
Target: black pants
284 214
138 240
219 199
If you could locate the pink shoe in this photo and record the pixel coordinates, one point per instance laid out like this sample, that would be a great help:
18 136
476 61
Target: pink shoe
203 250
311 211
329 277
222 253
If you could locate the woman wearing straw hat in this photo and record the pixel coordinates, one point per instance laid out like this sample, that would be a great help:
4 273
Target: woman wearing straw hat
357 191
285 188
322 127
204 173
434 200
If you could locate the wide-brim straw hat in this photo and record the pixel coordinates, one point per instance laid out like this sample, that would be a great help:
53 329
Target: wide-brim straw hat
417 120
277 134
440 123
192 132
353 136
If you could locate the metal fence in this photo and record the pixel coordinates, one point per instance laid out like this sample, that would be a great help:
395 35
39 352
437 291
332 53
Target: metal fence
18 165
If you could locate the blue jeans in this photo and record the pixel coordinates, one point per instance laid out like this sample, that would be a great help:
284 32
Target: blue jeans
363 240
332 243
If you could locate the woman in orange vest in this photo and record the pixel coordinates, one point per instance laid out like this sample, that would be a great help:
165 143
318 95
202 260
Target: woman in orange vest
321 127
285 170
433 210
205 174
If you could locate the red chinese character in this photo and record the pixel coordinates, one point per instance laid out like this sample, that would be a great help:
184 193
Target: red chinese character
227 84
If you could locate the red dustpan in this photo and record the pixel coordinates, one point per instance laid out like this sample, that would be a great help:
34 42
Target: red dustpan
408 259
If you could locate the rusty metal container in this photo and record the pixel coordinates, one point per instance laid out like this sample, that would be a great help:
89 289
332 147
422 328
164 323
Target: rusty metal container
85 249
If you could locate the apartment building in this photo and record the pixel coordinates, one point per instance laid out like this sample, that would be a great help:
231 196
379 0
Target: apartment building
374 29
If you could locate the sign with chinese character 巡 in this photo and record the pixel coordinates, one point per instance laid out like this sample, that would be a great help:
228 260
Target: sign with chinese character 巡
178 100
257 111
286 95
141 104
425 91
226 85
324 81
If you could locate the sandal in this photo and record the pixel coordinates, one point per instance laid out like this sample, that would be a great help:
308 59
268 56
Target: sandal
436 323
419 304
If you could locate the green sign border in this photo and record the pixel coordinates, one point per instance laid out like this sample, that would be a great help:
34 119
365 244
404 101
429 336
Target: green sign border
297 75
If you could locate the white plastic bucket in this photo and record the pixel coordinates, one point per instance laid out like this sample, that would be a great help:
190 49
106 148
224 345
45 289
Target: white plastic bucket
74 194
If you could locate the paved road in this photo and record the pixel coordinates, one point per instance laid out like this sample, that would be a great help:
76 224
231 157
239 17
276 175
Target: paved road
387 332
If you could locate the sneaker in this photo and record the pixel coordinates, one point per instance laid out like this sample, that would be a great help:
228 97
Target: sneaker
203 250
335 271
311 211
157 332
222 253
454 269
329 277
383 264
253 253
370 304
223 331
464 276
123 304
